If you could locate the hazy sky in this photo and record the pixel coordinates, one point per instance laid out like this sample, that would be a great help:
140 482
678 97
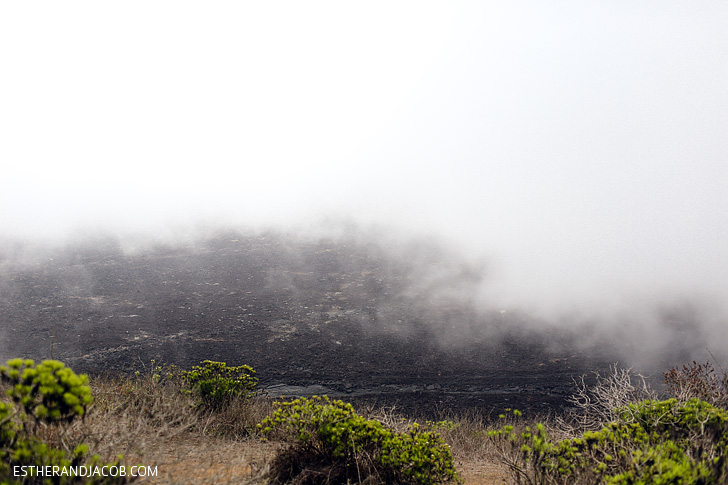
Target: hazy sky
579 147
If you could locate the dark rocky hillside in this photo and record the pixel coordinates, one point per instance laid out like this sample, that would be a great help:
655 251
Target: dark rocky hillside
346 317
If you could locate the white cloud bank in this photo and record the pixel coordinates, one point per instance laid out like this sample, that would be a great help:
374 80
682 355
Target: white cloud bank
580 148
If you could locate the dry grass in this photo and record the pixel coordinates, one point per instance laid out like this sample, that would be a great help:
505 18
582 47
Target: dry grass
476 456
152 422
197 458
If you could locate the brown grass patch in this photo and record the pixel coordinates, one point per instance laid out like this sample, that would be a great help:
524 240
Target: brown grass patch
152 422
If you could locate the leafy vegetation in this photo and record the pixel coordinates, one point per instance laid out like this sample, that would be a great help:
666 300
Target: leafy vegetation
44 396
653 442
216 383
49 392
333 444
679 440
223 400
618 432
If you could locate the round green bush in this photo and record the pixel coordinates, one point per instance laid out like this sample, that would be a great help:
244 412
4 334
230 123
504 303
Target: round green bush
333 444
216 382
49 392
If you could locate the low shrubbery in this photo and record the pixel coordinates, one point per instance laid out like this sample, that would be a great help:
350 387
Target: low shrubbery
212 397
618 431
652 442
216 383
51 419
330 443
46 399
627 437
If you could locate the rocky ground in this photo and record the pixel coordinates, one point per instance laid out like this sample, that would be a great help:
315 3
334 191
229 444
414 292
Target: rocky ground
341 316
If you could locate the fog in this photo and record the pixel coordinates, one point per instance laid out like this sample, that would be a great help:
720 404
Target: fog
574 153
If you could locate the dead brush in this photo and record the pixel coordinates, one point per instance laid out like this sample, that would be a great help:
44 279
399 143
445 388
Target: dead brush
701 381
388 416
594 406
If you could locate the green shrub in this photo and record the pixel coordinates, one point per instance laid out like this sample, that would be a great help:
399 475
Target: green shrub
49 394
333 444
216 383
653 442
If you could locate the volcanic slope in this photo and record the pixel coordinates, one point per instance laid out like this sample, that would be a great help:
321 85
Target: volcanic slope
344 316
